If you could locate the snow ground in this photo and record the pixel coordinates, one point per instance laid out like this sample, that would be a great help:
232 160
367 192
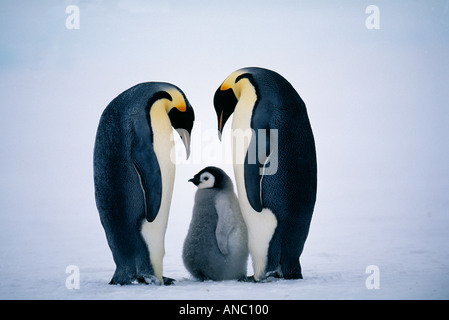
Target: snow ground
412 257
334 265
377 101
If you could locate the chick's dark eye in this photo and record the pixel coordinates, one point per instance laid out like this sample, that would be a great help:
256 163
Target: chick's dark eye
206 178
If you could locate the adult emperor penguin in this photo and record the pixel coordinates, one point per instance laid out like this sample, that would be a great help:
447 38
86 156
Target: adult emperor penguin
274 165
134 173
216 245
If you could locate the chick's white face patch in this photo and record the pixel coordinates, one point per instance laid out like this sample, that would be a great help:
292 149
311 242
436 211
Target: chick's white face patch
207 180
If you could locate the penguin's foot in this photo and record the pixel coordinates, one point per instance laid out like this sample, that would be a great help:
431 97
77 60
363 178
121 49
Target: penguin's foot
119 282
247 279
121 278
154 280
272 276
148 280
141 280
168 281
269 277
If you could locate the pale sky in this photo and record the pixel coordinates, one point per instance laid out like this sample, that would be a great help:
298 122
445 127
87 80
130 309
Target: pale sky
377 99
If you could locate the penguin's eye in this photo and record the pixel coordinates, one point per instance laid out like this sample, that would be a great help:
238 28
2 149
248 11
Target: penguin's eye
207 181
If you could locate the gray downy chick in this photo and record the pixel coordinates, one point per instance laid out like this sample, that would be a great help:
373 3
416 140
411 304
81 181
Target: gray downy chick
216 246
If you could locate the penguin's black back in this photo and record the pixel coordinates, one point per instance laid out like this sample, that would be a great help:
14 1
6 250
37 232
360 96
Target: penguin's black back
118 193
113 170
280 107
290 193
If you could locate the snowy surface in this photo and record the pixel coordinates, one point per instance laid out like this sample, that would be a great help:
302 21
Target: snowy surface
377 101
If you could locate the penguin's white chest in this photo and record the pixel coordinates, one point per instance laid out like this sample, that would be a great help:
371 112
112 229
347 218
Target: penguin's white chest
163 145
261 225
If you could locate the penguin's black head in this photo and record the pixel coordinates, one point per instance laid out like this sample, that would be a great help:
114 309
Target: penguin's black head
226 98
182 122
224 104
180 113
211 177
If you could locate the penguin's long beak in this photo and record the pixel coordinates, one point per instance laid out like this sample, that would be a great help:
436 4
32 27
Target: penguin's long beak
183 124
185 137
220 125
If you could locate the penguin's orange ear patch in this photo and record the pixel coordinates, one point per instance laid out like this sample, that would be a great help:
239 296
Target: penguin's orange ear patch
225 86
181 106
177 100
230 81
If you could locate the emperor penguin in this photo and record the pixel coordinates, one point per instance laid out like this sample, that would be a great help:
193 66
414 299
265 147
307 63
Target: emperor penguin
216 245
134 171
274 165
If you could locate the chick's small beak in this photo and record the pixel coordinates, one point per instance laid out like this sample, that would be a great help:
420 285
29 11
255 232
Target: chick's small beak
195 181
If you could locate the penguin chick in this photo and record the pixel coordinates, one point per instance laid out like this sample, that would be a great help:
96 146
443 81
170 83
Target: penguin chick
216 246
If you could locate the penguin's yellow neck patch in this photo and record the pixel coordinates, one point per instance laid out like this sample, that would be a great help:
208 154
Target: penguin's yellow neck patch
163 145
177 102
230 83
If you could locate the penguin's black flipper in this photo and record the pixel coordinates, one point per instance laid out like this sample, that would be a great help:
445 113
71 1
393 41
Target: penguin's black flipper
260 160
147 168
252 185
150 181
